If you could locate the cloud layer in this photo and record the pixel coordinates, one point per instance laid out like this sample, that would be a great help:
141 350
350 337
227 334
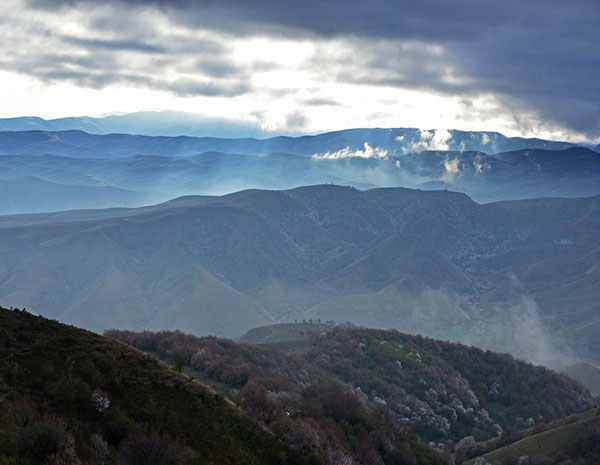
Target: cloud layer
366 152
534 63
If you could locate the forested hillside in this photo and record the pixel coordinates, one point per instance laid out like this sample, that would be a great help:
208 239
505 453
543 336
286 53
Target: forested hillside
443 392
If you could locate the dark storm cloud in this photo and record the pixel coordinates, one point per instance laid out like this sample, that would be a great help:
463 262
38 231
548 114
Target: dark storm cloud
218 68
99 70
432 20
131 51
118 45
540 58
296 120
190 87
321 102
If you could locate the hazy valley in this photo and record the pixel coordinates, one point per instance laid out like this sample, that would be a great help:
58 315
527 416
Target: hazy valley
504 275
330 260
299 233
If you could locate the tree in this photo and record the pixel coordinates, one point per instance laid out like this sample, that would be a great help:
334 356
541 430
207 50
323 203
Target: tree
47 440
100 450
180 358
257 403
100 400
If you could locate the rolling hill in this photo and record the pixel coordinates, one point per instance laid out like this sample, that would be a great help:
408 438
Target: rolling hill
521 276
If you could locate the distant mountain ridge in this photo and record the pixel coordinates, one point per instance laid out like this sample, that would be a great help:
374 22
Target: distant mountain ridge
155 169
150 123
520 275
171 123
394 142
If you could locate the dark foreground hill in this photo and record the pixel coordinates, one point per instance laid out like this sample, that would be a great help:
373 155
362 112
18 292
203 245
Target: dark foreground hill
520 276
442 391
70 397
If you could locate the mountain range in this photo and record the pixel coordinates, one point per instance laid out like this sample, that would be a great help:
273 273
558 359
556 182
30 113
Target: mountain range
51 171
79 144
149 123
518 275
172 123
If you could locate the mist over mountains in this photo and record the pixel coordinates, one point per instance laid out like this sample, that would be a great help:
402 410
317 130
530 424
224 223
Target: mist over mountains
74 170
79 143
521 276
462 236
172 123
450 258
312 226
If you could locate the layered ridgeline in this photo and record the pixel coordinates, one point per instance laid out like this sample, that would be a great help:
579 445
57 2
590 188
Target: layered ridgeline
520 276
68 396
124 133
45 171
170 123
442 392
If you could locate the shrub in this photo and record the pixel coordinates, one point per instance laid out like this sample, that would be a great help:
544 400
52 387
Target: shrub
151 449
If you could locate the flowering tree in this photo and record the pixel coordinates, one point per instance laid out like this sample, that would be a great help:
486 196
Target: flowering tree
100 400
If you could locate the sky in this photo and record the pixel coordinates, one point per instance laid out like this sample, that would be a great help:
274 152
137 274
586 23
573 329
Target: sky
529 68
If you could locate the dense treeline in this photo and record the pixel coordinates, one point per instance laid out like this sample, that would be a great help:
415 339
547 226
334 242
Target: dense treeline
327 421
443 392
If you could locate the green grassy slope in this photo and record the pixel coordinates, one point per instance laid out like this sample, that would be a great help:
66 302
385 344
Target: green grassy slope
57 368
575 438
297 336
281 333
